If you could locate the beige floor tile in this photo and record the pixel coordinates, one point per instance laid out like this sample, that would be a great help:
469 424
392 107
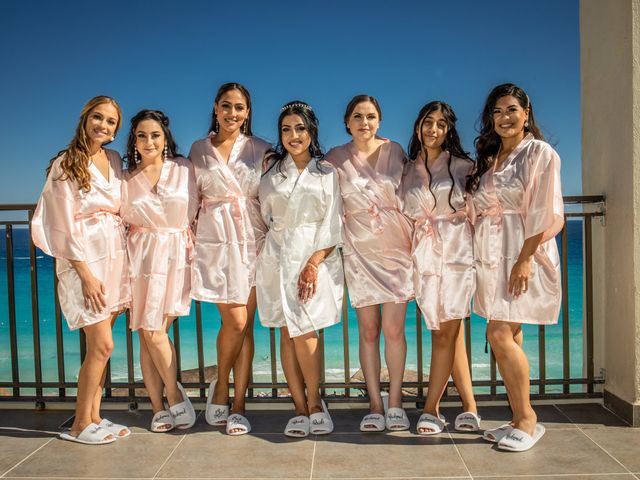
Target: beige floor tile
591 415
623 443
560 451
216 455
16 447
615 476
392 455
133 457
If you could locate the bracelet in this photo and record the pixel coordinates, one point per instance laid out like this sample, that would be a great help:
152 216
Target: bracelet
315 267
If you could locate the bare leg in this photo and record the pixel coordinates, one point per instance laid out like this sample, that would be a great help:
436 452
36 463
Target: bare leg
442 353
97 400
395 348
163 355
514 368
308 355
293 372
150 376
99 349
229 344
242 366
369 327
461 374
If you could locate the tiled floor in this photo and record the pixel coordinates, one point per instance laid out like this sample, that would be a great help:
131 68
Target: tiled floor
582 442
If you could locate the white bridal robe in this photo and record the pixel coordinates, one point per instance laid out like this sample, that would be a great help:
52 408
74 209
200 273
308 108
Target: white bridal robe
444 274
230 229
377 236
519 200
160 241
71 224
303 214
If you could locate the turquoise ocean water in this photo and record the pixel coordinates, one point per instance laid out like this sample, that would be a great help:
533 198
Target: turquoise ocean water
334 354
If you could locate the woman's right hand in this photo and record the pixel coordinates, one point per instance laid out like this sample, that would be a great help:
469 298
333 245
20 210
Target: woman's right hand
94 293
93 290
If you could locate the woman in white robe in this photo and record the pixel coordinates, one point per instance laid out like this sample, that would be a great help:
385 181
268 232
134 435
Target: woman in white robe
228 165
77 221
518 208
299 274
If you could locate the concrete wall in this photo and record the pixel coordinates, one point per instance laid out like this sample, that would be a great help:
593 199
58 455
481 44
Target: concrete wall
610 71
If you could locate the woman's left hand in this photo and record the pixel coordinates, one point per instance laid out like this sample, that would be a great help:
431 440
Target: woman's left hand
519 278
307 282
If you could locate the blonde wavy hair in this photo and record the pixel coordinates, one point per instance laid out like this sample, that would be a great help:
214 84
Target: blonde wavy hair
75 158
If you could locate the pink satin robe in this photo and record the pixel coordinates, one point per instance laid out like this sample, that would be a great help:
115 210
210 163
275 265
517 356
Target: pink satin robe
70 224
160 242
303 213
442 250
230 229
519 200
377 236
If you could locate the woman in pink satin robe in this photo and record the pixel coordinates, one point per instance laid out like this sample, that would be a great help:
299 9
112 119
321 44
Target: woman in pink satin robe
228 165
377 254
518 207
159 204
77 221
434 198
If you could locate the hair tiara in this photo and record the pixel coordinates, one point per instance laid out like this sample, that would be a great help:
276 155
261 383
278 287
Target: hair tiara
303 106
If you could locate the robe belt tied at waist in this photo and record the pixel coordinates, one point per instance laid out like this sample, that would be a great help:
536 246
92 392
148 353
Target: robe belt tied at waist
238 209
425 224
187 232
103 215
497 212
374 213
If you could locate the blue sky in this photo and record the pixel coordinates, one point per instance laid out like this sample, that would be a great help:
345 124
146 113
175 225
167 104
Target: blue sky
172 56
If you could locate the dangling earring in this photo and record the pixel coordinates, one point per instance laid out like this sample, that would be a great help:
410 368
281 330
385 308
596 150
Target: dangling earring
244 127
526 124
166 151
136 160
113 137
217 127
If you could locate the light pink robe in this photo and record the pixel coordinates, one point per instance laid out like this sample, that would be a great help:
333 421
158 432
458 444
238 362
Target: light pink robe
442 249
71 224
517 201
377 236
160 242
230 229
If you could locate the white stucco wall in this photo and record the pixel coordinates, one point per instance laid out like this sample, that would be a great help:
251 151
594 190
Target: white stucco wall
610 70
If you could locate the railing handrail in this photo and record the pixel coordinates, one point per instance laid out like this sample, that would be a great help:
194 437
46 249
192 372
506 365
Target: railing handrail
587 379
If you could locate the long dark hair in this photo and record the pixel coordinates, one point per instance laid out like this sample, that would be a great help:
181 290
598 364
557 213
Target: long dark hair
163 120
488 142
75 163
224 88
354 102
451 144
277 154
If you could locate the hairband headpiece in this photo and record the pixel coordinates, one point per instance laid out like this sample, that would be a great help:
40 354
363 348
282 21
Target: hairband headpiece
304 106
